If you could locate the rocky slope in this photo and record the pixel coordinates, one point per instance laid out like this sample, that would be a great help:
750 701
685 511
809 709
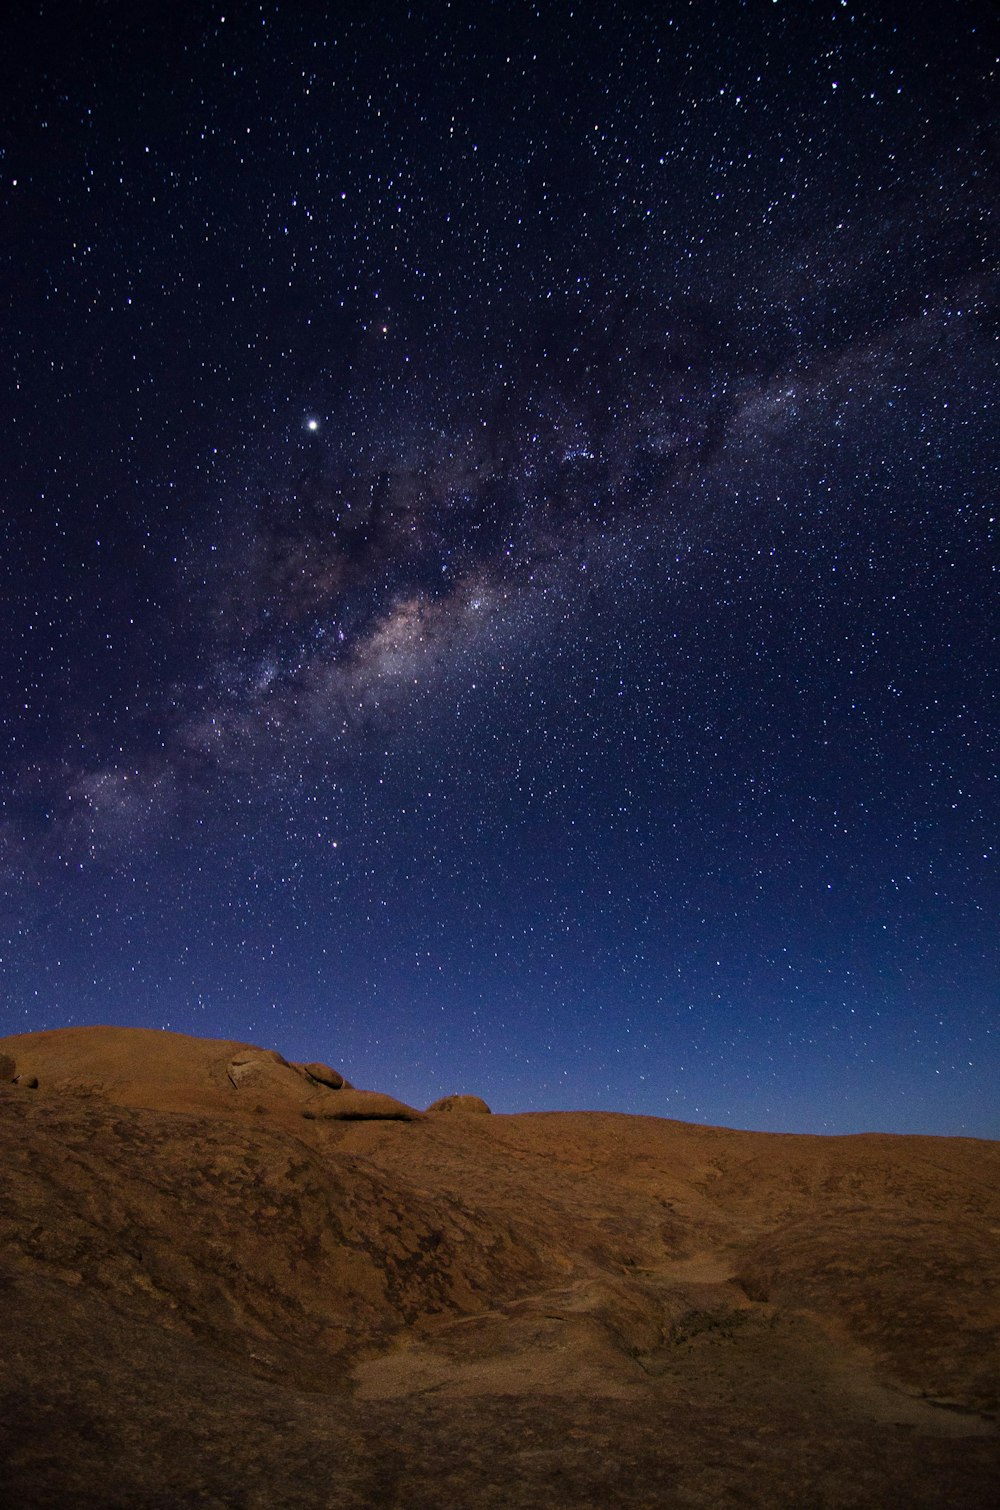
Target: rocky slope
232 1281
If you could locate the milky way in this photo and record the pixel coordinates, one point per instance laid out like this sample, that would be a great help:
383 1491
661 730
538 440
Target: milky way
500 551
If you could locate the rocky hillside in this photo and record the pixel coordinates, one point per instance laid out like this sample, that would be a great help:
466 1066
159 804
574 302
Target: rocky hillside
229 1280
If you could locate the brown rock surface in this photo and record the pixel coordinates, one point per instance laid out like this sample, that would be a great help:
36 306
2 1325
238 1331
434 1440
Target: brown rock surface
213 1299
474 1104
357 1106
326 1076
142 1067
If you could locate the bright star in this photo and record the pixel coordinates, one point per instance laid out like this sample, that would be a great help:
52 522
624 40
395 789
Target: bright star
312 424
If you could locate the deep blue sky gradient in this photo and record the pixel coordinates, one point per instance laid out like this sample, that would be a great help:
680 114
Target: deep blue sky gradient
500 557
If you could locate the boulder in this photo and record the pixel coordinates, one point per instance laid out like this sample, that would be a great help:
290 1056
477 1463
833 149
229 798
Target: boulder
254 1068
30 1082
324 1075
468 1104
8 1068
358 1106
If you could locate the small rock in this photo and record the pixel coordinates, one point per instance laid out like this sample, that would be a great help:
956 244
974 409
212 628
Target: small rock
30 1082
469 1104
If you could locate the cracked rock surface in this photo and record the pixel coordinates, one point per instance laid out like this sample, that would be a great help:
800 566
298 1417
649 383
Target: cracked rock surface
227 1282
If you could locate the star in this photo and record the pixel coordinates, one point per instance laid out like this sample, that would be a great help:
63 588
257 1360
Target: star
651 458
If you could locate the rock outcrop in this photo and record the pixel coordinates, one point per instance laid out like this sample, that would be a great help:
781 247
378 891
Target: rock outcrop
358 1106
174 1072
227 1281
468 1104
257 1069
324 1075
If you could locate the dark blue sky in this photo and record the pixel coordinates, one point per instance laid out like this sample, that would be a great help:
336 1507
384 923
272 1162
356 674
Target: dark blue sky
499 548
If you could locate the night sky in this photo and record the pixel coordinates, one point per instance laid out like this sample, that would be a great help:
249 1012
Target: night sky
499 565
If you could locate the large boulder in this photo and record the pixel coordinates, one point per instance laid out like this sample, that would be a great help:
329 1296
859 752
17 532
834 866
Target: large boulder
358 1106
8 1069
255 1069
324 1075
474 1104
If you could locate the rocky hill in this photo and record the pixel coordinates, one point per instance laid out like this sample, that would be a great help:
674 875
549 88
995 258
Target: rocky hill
231 1281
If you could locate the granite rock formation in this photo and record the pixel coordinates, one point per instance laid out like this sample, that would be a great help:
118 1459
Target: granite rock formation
219 1290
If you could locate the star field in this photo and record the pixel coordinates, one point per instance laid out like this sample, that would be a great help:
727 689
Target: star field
500 549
